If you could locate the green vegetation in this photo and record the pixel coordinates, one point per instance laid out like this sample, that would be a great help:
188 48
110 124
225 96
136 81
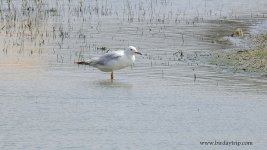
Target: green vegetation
250 60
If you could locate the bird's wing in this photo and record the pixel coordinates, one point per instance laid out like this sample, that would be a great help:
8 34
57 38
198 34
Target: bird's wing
105 59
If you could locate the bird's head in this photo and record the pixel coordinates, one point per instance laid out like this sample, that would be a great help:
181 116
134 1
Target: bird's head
132 50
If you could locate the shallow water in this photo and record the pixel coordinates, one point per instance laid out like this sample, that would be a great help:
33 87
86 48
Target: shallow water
164 101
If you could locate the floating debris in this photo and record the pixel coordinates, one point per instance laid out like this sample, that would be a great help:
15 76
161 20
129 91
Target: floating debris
102 48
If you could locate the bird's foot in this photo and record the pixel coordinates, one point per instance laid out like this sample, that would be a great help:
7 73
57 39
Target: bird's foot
111 76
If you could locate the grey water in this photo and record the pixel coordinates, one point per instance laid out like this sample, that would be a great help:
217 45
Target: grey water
164 101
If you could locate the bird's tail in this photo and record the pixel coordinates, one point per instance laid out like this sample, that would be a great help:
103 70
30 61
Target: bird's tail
83 63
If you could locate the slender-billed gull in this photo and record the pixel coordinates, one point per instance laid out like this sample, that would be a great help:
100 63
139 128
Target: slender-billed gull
112 61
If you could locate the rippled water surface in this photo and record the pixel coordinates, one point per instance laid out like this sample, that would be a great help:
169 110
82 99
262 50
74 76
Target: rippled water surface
166 100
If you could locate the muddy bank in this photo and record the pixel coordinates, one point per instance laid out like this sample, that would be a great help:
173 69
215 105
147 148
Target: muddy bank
253 59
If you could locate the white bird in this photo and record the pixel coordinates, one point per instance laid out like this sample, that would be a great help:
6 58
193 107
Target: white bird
112 61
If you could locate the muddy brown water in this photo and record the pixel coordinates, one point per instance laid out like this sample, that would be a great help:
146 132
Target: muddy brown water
164 101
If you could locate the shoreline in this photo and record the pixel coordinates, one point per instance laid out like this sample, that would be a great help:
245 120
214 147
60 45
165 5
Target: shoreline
249 60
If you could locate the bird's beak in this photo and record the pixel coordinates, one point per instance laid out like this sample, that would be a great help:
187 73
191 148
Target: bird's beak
138 53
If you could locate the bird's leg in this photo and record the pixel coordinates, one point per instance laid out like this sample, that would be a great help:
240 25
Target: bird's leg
111 76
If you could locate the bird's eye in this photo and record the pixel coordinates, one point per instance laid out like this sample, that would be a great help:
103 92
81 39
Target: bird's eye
131 49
